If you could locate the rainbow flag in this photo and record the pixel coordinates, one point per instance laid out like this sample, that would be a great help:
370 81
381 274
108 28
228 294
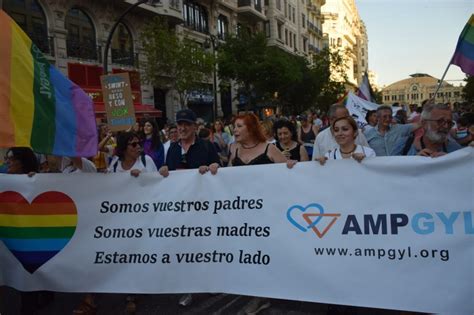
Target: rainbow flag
40 108
34 233
464 53
343 99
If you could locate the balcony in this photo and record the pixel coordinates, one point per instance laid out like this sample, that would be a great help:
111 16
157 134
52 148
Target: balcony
313 49
125 58
83 49
251 9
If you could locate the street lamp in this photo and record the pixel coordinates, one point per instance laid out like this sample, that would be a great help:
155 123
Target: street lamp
214 41
109 38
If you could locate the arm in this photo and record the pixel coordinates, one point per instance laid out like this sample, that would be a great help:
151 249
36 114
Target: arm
415 126
303 154
298 131
315 130
275 155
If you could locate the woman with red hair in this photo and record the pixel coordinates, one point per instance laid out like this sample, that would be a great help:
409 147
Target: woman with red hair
251 147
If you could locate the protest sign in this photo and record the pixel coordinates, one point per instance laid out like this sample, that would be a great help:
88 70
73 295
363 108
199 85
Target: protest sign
392 232
118 101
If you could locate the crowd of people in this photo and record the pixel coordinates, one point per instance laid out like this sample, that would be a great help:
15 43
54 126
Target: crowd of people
431 130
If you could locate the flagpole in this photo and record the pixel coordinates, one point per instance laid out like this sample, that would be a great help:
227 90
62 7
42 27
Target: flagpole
442 78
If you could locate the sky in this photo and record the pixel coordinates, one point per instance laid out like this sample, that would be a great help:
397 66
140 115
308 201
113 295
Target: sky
414 36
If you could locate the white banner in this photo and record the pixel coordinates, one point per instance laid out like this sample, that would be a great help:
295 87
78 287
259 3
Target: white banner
392 232
358 108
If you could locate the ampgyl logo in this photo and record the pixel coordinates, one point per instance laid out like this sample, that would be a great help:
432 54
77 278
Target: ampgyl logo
312 214
313 217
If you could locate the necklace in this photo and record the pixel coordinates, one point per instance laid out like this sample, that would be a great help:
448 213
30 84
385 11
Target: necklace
250 147
355 147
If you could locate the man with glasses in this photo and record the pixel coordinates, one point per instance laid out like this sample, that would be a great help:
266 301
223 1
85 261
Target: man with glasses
190 152
437 121
388 139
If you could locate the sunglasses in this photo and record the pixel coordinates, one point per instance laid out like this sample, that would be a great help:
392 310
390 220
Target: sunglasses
134 144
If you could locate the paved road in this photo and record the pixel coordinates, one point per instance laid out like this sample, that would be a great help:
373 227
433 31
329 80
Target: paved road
163 304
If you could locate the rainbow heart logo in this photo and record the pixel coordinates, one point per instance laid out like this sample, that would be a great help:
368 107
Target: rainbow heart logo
35 232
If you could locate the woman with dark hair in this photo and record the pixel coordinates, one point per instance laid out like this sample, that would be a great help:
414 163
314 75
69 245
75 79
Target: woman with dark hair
371 119
287 142
345 132
129 156
21 160
152 145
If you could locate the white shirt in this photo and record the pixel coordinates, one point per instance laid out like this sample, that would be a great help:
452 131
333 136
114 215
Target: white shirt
68 168
150 165
335 154
325 142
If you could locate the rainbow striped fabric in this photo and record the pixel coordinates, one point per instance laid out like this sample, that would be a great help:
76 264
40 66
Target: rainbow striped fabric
464 53
39 106
36 232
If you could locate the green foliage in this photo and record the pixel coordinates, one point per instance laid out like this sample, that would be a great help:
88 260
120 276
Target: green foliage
271 75
174 62
241 58
468 89
330 67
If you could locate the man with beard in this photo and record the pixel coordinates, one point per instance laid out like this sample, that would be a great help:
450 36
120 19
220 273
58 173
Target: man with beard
436 120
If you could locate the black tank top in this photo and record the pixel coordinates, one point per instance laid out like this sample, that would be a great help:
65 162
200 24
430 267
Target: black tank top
294 153
309 136
258 160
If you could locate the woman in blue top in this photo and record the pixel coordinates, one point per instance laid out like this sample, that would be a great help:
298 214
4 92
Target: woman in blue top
152 145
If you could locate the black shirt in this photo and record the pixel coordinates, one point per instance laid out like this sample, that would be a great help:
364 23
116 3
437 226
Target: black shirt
201 152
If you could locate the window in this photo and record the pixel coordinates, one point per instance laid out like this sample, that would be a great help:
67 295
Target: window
294 42
285 7
363 51
267 28
291 40
222 27
175 4
305 43
195 17
279 31
278 4
81 41
286 37
29 15
294 15
122 46
303 20
339 42
363 63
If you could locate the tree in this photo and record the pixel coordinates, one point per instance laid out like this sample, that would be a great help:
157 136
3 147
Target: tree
241 58
468 89
174 62
330 67
377 95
